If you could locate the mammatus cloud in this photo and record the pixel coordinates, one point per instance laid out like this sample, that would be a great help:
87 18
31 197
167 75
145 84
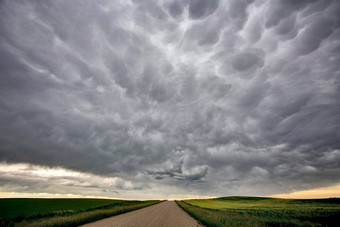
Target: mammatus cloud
187 97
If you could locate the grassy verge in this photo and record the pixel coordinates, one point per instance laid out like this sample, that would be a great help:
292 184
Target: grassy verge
258 212
26 208
77 217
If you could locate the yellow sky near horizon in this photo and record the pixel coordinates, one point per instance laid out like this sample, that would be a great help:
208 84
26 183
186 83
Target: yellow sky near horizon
51 195
54 183
323 192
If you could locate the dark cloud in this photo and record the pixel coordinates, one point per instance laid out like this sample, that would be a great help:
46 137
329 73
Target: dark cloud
202 8
199 97
245 61
238 12
175 8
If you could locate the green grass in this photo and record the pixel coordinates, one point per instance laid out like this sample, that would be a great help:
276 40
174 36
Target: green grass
62 212
11 208
260 211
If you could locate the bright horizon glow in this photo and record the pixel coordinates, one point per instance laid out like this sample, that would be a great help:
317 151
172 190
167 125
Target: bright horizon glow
324 192
4 195
73 184
317 193
55 176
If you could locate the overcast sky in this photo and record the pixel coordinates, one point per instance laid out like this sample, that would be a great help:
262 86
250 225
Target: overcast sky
169 99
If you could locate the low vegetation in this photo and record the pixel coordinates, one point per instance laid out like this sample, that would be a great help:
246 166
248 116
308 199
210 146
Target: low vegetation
63 212
259 211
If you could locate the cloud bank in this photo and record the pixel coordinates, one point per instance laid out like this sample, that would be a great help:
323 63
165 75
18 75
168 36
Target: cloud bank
198 97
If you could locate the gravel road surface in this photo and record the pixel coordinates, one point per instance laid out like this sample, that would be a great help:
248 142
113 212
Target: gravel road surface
164 214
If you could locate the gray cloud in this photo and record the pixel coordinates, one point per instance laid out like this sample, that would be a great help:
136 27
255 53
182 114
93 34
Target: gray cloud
202 8
244 61
210 97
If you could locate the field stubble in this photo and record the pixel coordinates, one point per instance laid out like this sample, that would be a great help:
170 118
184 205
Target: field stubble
63 212
257 211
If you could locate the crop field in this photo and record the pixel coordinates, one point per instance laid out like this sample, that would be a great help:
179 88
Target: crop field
62 212
261 211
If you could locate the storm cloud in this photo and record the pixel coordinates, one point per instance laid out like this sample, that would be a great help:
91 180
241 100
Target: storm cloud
201 97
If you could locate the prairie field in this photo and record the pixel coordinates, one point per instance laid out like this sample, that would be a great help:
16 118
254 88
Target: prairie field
263 211
63 212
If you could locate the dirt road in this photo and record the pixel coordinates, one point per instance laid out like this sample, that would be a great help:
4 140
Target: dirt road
164 214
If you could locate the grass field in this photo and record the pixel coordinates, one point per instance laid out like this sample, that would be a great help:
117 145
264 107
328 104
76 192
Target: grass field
62 212
260 211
